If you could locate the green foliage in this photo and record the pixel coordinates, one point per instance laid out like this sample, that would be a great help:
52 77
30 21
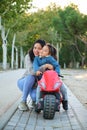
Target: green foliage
71 24
67 26
13 7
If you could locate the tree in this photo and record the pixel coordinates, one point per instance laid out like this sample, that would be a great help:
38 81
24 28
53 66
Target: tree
70 24
9 12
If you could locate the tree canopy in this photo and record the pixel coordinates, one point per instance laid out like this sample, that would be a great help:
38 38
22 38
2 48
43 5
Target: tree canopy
66 27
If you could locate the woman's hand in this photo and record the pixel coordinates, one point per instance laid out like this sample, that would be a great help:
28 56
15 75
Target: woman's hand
49 66
38 73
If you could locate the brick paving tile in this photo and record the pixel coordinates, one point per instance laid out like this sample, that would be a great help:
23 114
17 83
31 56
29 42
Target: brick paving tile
73 119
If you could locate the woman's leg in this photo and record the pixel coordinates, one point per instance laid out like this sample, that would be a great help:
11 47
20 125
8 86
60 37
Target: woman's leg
20 83
25 85
33 94
28 84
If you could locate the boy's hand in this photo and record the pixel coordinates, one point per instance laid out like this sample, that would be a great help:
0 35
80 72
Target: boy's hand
38 73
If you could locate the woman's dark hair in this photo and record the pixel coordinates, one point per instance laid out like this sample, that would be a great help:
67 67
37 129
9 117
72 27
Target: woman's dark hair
52 51
31 54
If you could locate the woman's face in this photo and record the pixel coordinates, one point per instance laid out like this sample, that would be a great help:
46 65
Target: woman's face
36 49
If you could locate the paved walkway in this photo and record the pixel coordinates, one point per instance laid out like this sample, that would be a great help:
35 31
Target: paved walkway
74 119
9 92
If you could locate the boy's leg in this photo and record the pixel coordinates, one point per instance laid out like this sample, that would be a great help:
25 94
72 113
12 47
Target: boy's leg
37 94
65 96
38 104
63 90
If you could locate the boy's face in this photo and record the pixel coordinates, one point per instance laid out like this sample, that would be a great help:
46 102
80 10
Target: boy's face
45 51
40 53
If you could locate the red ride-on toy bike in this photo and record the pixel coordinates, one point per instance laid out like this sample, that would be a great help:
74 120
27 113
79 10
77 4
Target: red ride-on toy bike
50 96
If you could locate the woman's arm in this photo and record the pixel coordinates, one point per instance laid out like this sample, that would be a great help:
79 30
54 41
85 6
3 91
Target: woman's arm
46 66
28 66
49 66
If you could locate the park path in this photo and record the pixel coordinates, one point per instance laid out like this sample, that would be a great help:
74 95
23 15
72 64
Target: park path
76 80
9 92
74 119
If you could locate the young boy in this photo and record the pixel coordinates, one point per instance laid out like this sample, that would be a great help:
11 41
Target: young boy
48 56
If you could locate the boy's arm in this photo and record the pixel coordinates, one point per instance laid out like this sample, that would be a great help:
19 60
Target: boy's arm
36 66
57 68
56 65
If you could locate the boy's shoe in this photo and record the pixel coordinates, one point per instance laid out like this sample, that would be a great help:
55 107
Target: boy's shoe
37 108
65 104
23 106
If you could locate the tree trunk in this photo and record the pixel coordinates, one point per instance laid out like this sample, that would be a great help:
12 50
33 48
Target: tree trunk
4 47
16 61
21 57
12 54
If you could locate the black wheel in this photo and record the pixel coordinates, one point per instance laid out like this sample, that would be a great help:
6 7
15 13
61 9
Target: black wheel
49 106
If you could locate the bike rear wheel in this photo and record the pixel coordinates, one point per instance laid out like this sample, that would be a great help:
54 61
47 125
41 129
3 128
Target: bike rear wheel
49 106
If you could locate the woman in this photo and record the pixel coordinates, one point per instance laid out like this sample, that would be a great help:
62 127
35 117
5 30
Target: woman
26 83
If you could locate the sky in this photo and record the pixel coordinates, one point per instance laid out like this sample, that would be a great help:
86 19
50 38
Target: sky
82 4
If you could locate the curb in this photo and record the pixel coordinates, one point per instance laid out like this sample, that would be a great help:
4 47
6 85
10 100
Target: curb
5 117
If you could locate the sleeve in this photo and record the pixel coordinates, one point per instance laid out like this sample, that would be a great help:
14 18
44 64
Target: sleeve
26 61
55 65
28 66
36 64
